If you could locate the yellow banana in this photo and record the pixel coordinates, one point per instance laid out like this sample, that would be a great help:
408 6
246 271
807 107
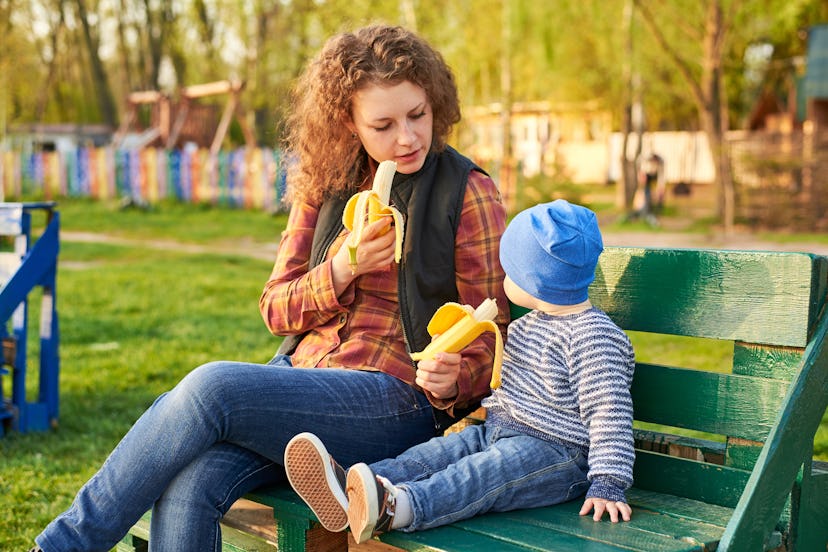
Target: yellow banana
457 325
369 206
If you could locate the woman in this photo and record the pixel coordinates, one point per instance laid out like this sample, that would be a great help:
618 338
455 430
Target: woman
380 93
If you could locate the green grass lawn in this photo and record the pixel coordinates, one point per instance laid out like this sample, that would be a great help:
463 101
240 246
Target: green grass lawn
134 320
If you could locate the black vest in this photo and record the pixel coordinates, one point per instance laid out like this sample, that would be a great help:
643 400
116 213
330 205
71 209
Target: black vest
431 201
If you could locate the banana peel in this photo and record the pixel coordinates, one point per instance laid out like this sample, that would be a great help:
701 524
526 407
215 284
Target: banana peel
457 325
368 206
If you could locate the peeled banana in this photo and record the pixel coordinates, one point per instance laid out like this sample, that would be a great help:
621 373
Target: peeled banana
369 206
457 325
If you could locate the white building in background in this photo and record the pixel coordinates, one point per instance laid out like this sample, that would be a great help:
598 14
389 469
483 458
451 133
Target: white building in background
576 142
686 155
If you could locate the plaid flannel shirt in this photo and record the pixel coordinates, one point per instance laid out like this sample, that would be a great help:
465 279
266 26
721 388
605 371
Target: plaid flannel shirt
361 329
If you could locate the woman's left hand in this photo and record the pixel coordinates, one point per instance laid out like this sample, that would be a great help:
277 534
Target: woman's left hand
439 375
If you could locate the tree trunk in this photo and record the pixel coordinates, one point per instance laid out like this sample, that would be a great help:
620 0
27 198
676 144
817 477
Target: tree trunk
714 115
207 31
625 189
123 51
708 94
106 103
507 176
51 71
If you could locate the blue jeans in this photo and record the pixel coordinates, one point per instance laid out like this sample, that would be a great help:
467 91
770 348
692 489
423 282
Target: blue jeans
483 468
220 433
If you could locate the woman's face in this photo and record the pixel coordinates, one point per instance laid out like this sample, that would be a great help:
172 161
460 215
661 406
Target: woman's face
394 123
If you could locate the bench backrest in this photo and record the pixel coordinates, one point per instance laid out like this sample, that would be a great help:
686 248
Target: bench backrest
768 304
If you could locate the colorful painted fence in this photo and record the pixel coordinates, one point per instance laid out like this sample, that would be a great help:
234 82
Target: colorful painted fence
244 178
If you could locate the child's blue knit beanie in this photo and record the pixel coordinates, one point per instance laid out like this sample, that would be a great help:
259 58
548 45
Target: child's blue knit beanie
550 251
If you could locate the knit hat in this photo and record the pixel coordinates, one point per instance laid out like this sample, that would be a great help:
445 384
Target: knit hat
550 251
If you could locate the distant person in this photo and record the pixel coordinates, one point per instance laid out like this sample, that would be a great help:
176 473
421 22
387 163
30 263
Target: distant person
651 187
559 426
344 371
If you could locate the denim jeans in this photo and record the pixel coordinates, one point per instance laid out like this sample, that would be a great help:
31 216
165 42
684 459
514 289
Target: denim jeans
220 433
483 468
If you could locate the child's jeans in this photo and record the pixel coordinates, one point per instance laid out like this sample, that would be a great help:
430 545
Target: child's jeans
484 468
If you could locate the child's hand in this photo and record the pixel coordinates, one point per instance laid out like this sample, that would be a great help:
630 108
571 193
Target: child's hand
602 505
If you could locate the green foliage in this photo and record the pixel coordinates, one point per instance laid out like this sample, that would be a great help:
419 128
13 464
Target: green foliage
569 51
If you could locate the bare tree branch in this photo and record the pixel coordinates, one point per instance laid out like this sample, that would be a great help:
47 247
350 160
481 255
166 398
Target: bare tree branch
681 64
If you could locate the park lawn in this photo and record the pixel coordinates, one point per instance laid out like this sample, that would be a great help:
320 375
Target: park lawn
171 220
134 320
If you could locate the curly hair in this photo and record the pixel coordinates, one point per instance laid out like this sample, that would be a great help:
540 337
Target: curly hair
326 160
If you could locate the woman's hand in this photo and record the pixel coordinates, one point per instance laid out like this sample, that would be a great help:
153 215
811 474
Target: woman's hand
375 252
439 375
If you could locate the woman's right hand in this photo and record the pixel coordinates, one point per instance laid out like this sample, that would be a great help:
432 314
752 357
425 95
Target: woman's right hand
375 252
439 375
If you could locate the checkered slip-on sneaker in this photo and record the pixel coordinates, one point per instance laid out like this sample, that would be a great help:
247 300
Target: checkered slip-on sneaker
371 503
318 479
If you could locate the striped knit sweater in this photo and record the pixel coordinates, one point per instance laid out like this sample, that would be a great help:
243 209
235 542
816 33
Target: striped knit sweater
567 379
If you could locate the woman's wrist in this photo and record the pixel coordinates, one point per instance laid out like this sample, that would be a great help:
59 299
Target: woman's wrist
342 276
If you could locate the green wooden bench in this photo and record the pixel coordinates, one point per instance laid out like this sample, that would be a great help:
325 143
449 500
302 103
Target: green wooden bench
747 481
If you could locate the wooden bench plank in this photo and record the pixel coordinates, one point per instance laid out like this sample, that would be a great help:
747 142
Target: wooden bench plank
648 530
455 538
701 481
769 362
252 517
297 527
674 505
725 404
755 297
788 446
233 540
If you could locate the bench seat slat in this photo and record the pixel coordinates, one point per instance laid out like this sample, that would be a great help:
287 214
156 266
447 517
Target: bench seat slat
648 530
505 537
233 540
725 404
283 500
756 297
674 505
660 523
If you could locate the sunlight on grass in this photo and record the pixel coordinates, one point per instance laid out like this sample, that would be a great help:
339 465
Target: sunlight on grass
683 352
133 322
171 220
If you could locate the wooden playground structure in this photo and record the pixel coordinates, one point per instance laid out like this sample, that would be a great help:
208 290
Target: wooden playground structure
175 122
